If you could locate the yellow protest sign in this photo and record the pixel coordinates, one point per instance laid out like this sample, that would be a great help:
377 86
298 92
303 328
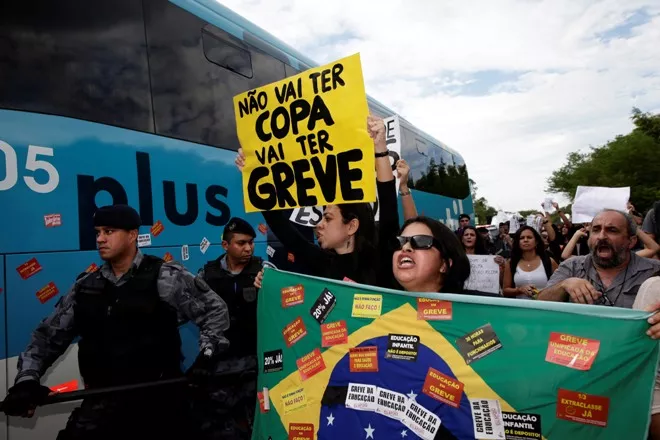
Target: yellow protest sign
305 140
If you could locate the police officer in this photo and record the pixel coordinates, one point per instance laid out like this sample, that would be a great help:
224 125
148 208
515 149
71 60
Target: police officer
228 412
127 316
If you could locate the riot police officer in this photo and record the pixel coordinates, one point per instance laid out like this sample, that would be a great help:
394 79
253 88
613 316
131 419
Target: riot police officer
127 315
228 412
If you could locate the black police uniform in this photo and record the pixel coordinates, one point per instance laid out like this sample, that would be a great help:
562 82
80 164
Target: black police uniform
228 412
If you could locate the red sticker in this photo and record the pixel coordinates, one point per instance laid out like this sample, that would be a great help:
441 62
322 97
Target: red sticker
47 292
167 257
29 268
582 408
262 404
443 388
263 228
65 387
293 295
334 333
310 364
348 280
294 331
291 257
572 351
433 310
301 431
363 359
157 228
53 220
92 268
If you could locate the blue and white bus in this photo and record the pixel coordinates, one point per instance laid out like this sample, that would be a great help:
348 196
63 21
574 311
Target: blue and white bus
130 101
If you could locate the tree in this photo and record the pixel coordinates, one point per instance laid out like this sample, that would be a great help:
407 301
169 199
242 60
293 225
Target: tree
482 210
629 160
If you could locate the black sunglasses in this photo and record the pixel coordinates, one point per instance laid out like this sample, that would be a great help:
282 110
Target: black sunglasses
416 242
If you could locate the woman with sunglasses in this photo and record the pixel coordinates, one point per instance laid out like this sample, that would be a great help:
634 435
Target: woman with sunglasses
530 267
428 257
347 244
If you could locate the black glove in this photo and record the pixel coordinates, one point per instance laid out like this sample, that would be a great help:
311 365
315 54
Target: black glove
23 397
203 369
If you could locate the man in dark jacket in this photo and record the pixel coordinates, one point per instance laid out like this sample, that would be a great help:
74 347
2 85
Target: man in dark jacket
228 412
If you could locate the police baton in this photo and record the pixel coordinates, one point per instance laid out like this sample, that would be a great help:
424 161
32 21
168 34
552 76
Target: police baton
217 379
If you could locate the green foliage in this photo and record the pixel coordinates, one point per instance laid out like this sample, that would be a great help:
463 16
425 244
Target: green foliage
629 160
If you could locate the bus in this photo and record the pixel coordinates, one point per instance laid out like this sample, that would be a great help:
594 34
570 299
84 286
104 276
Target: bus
130 101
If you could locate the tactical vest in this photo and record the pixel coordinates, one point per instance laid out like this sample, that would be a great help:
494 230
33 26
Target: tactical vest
240 295
127 333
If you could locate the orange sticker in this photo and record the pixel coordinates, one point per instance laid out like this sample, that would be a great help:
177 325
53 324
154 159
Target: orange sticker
47 292
310 364
291 257
29 268
263 228
294 331
363 359
334 333
433 310
443 388
572 351
301 431
92 268
65 387
168 257
157 228
582 408
293 295
52 220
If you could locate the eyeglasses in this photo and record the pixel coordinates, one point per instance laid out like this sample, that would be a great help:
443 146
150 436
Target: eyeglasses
416 242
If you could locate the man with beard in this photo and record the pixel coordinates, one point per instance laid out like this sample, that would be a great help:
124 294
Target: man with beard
228 412
611 274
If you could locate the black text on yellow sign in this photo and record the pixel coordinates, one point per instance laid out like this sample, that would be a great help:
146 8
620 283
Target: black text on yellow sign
305 140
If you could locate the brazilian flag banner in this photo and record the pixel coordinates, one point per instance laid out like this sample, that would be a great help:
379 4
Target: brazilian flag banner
340 360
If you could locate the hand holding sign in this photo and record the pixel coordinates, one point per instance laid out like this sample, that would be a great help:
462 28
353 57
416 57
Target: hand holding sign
304 140
402 172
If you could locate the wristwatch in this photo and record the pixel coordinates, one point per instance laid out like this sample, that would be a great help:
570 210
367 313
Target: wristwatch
402 193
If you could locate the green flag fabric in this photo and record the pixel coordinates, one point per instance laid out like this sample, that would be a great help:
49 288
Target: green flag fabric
340 360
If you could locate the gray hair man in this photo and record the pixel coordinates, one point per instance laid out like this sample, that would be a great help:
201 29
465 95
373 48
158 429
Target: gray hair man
611 274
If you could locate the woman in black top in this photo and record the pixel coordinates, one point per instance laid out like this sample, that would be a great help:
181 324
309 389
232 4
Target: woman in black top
348 244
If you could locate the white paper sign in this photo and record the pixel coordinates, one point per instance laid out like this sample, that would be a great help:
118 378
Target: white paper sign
204 245
547 205
420 420
590 200
484 274
185 256
361 396
307 216
393 140
144 240
270 251
487 419
391 404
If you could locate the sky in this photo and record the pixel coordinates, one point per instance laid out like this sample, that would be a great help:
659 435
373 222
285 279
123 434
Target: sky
512 85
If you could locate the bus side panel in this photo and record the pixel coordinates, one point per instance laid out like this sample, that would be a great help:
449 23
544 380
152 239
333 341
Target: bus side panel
191 190
440 207
3 348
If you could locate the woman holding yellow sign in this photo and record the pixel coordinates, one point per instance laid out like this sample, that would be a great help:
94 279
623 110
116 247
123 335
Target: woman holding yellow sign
348 247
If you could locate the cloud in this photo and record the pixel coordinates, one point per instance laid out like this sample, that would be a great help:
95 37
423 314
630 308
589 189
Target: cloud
512 85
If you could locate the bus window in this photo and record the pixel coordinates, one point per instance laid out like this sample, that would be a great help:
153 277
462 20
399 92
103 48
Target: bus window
433 169
226 55
192 94
84 60
290 71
